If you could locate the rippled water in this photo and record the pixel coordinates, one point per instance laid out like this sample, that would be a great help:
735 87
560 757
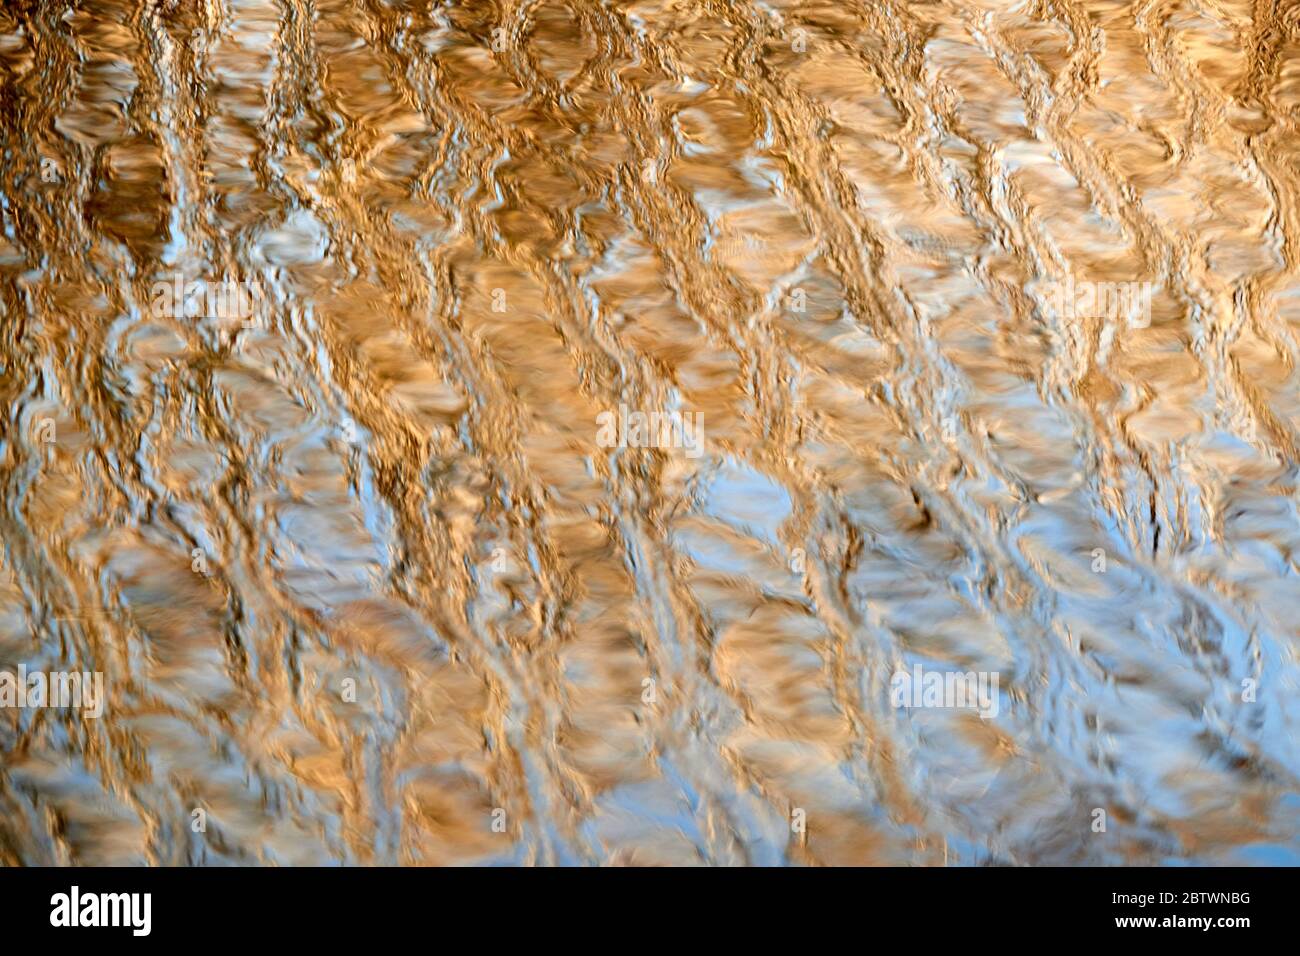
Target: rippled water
365 581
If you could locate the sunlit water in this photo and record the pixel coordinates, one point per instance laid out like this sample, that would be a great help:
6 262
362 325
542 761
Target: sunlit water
366 583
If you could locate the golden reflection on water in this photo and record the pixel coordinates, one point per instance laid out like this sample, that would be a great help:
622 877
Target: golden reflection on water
311 312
